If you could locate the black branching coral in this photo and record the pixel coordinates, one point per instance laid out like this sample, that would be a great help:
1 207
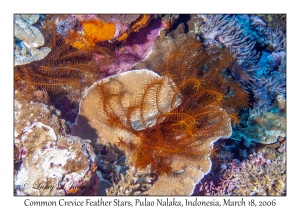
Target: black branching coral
209 102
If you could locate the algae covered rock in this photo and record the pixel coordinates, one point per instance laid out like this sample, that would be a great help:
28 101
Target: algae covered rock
54 165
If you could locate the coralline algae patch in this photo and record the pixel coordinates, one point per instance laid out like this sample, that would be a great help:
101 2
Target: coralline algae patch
165 104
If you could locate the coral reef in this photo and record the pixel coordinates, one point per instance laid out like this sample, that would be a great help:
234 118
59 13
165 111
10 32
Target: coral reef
160 52
28 40
104 32
262 74
64 73
136 48
271 81
275 20
47 160
92 31
185 175
256 176
53 165
169 20
133 183
139 23
27 112
124 18
96 28
107 102
225 30
150 104
180 57
64 68
265 128
151 130
275 39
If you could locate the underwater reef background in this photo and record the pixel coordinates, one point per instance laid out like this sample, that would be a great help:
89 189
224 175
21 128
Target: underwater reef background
149 104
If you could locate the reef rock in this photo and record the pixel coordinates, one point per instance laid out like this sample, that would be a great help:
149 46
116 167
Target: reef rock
27 40
54 165
136 48
264 127
28 112
189 173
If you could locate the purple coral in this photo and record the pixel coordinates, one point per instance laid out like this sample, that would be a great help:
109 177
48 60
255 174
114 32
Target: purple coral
267 77
138 45
257 21
271 83
223 185
256 176
267 88
225 30
275 39
259 25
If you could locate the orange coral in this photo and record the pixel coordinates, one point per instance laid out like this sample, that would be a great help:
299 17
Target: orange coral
139 23
78 41
97 30
169 20
123 36
73 190
93 31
